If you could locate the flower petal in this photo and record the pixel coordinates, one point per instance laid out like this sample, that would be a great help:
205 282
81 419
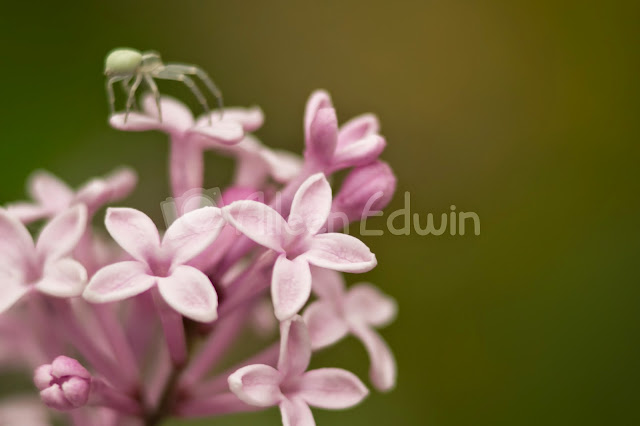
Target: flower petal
323 137
318 99
325 325
257 221
383 364
328 284
290 286
366 303
63 278
134 232
296 412
331 388
357 128
295 347
193 232
118 281
136 122
11 288
251 119
283 165
311 205
340 252
190 292
176 117
62 233
27 212
257 384
65 366
359 153
224 132
16 244
49 190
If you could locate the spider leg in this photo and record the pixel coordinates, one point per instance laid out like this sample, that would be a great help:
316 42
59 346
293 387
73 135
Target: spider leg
202 75
110 95
132 95
127 88
166 74
156 93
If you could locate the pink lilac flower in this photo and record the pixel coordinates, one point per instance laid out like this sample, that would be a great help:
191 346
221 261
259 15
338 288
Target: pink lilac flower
42 266
52 196
330 148
199 284
357 311
160 262
291 387
298 243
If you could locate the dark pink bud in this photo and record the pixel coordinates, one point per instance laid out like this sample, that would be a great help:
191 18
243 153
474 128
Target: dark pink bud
365 190
323 137
64 384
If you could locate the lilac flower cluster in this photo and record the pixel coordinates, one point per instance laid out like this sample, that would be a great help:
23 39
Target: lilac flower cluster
131 327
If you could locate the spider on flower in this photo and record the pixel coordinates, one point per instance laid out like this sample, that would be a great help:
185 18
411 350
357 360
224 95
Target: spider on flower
126 65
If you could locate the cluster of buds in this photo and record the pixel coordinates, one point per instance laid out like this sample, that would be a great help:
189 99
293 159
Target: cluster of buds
129 327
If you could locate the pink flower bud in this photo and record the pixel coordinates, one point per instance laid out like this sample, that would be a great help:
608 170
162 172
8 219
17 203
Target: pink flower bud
365 190
64 384
323 137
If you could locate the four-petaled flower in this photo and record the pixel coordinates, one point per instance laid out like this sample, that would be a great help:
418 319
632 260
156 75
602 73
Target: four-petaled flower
162 262
298 242
330 148
293 388
339 312
52 196
25 266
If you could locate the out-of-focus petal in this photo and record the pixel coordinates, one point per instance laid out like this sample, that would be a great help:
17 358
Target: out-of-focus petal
224 132
11 288
27 212
60 236
340 252
251 119
257 385
176 117
63 278
49 190
383 370
328 284
359 153
16 244
367 304
325 325
290 286
331 388
189 291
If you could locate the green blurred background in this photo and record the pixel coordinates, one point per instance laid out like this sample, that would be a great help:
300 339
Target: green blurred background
523 112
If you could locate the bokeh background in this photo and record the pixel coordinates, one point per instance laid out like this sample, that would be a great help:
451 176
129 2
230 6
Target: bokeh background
523 112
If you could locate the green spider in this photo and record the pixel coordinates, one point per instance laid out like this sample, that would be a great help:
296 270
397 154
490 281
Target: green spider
125 65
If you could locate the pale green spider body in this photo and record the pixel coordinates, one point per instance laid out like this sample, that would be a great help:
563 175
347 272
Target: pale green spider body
127 65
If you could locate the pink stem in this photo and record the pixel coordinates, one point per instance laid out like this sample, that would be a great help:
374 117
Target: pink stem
86 346
225 332
117 340
173 328
105 396
186 168
268 356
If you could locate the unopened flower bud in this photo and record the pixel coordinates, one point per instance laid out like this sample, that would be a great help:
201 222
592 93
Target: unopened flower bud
64 384
365 190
